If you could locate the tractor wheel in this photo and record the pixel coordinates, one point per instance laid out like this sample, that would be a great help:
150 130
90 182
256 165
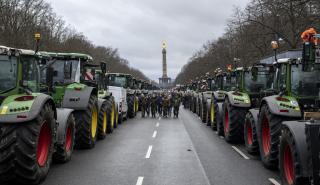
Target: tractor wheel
289 163
87 125
131 107
26 149
120 118
110 115
250 135
213 115
233 120
64 151
103 119
269 127
203 112
115 116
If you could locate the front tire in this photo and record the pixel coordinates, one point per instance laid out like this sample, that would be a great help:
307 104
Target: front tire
26 149
250 135
64 150
233 120
289 163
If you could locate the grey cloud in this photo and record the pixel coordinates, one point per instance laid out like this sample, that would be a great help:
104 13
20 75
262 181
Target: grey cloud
137 27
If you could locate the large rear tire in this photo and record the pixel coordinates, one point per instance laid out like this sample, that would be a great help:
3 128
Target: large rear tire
64 151
131 105
26 149
269 128
103 120
87 125
116 118
110 115
250 135
233 120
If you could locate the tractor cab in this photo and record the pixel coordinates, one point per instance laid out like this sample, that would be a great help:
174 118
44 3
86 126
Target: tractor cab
120 80
73 71
19 81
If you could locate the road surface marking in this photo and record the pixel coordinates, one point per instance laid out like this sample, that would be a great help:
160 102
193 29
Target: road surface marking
149 152
159 118
139 181
154 134
157 125
241 153
273 181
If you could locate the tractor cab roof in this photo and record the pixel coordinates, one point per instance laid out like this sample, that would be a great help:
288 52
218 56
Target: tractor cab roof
4 50
120 74
69 56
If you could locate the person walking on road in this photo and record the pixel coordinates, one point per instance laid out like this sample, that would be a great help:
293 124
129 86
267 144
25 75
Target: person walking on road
153 105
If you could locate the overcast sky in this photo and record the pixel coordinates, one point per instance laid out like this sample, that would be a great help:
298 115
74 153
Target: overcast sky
138 27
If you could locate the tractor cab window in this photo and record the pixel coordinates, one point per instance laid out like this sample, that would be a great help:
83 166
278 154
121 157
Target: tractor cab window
305 83
118 81
256 80
30 73
8 73
100 80
229 82
279 82
65 72
239 79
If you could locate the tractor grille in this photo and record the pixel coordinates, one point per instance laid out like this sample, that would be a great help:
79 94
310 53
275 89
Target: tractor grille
310 105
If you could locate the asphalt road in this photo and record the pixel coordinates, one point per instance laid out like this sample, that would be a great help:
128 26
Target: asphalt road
162 151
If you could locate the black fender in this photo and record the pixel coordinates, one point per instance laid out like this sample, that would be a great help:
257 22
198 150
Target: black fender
37 105
297 129
275 108
255 112
78 100
63 115
234 103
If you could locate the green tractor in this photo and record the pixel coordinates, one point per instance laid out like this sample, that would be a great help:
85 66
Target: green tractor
33 132
73 86
107 106
223 83
284 143
250 82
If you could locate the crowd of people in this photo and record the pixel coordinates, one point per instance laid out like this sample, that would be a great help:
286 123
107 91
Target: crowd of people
160 103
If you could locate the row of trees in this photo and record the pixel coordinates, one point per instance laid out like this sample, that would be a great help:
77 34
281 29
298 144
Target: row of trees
249 33
20 19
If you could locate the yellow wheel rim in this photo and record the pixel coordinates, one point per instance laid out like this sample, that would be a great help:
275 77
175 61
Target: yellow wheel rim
134 106
212 113
104 126
94 122
112 116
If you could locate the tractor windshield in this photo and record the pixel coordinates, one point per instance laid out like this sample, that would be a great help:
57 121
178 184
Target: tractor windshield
255 81
305 83
118 81
8 73
229 82
66 71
